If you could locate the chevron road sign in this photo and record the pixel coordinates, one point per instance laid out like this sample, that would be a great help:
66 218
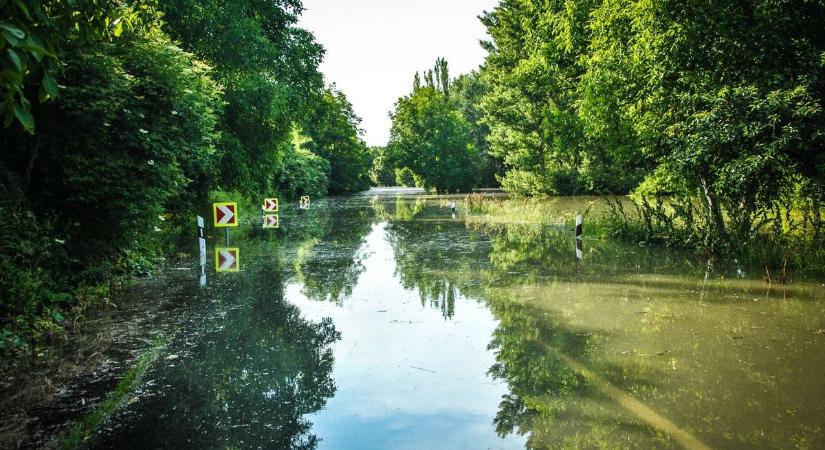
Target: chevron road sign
304 203
271 221
270 205
225 214
227 259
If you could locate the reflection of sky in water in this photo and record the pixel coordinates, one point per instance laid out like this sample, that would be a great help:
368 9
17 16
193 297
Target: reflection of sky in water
406 377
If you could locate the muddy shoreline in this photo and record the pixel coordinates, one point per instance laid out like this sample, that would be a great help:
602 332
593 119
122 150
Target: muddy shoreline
44 394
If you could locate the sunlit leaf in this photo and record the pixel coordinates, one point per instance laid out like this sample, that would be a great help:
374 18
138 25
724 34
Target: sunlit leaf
16 31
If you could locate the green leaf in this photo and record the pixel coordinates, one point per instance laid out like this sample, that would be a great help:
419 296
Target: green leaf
36 47
50 85
15 59
17 32
25 118
10 38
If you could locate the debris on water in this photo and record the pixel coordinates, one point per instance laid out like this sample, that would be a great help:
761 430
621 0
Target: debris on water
421 368
133 400
171 357
382 310
820 331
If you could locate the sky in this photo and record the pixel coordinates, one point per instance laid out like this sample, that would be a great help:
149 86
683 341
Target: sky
374 47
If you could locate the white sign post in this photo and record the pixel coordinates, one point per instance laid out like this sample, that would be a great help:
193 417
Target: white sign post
202 250
579 220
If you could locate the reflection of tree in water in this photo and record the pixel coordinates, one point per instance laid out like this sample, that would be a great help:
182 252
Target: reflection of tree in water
402 209
328 264
527 253
250 370
550 400
436 258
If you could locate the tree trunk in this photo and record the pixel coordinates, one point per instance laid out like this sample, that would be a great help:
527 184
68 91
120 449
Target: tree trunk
714 209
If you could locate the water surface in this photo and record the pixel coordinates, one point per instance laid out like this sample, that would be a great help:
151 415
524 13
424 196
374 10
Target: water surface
383 321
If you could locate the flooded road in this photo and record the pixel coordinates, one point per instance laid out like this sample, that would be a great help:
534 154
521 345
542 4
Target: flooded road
382 321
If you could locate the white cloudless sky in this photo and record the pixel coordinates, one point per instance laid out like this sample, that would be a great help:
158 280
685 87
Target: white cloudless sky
374 47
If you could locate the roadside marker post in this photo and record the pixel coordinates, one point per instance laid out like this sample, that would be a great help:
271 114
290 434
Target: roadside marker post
225 215
579 220
270 205
579 252
227 259
202 250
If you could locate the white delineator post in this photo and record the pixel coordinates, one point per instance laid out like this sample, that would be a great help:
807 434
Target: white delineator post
579 220
202 248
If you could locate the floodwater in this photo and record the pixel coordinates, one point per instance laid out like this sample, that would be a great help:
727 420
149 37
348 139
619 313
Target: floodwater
382 321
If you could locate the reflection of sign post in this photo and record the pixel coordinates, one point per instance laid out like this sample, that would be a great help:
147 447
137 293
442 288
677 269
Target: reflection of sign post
579 253
227 259
225 214
271 221
270 205
304 204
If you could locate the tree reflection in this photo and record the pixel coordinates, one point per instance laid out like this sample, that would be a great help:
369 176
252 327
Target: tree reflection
549 400
327 261
434 255
247 372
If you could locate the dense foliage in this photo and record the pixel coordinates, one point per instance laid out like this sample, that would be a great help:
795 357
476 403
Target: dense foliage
432 138
716 103
335 136
135 130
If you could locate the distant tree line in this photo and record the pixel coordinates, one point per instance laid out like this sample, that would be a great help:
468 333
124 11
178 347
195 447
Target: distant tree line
121 117
716 105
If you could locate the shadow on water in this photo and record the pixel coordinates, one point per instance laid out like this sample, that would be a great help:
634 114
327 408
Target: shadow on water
242 372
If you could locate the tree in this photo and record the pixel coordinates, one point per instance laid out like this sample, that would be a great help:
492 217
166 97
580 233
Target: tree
33 37
269 68
431 138
467 92
726 98
381 172
335 136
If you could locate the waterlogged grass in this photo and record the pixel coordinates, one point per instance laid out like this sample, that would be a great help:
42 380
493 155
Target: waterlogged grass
618 218
83 430
553 211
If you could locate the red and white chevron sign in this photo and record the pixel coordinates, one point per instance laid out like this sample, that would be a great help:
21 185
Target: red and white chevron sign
271 221
227 259
225 214
270 205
